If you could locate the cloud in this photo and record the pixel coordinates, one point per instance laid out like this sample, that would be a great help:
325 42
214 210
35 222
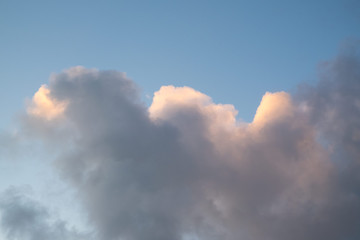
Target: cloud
185 167
43 106
25 219
273 106
334 103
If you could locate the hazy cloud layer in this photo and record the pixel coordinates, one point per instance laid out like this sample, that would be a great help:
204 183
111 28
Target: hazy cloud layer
26 219
185 168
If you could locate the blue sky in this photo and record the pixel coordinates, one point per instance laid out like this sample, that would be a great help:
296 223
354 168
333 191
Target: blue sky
234 51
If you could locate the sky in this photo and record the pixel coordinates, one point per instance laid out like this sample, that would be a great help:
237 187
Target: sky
184 120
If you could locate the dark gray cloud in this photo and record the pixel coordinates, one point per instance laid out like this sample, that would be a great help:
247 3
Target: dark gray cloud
26 219
335 102
184 168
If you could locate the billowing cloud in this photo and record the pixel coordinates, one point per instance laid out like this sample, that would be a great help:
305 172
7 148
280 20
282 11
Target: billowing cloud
273 106
43 106
186 168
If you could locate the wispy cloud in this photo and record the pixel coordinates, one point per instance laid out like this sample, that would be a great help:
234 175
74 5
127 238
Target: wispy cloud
25 219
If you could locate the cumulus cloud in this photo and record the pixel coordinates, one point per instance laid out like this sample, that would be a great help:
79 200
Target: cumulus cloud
186 168
43 106
26 219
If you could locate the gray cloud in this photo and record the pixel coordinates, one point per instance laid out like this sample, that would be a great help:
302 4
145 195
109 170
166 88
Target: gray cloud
26 219
186 168
335 102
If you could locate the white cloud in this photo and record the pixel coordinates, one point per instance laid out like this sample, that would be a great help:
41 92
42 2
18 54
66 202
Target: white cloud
44 106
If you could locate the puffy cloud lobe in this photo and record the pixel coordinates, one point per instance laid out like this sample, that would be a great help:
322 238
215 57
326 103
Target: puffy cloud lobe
43 106
273 107
185 167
